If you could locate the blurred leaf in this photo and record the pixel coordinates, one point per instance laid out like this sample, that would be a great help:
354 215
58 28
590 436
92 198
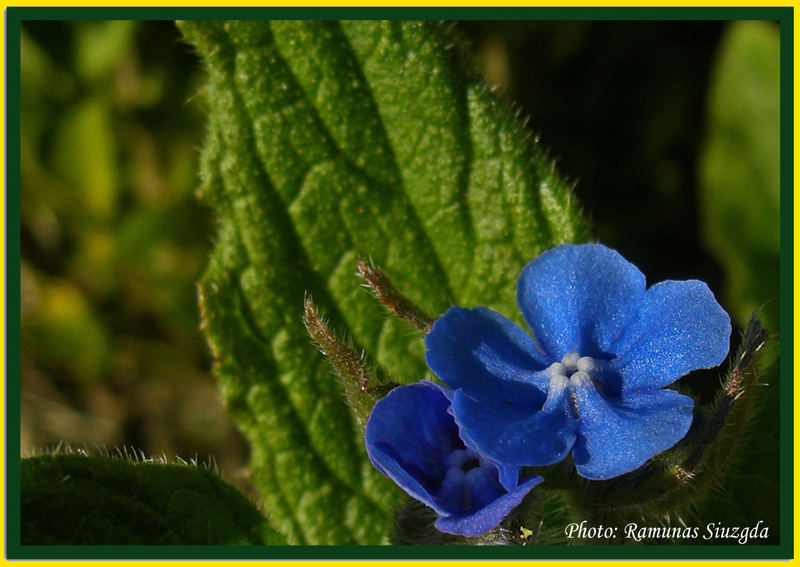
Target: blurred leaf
158 258
34 65
111 226
329 141
85 158
77 500
740 182
740 171
92 267
42 84
101 45
64 331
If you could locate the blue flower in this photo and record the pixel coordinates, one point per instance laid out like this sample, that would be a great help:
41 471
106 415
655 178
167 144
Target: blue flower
412 438
591 379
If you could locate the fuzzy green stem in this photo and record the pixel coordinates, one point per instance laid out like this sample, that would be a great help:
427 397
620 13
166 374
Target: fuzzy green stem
753 339
349 367
392 299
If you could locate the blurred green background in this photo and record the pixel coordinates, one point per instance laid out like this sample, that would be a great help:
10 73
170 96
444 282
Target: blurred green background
668 129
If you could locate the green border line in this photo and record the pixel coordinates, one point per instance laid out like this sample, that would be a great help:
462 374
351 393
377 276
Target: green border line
14 550
787 165
682 552
15 14
12 305
662 552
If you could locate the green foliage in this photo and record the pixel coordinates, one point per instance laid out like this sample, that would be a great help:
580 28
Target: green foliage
741 169
740 182
99 48
327 142
113 242
78 500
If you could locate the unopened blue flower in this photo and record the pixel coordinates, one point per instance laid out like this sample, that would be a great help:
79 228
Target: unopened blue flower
591 380
412 438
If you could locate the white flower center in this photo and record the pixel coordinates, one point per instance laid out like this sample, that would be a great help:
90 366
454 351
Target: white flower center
574 367
574 371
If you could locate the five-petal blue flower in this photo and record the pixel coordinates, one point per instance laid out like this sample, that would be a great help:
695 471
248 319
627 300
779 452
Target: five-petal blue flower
591 380
412 438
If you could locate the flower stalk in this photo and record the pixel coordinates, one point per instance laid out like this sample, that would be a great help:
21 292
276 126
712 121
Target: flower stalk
350 367
741 375
393 300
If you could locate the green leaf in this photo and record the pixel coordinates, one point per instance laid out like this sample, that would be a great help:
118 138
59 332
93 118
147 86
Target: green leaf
330 141
101 45
740 169
85 158
79 500
64 323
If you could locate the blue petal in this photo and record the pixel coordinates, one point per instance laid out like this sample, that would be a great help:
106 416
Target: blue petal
486 355
409 435
484 487
578 298
508 475
454 496
515 435
680 327
387 461
488 517
619 436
